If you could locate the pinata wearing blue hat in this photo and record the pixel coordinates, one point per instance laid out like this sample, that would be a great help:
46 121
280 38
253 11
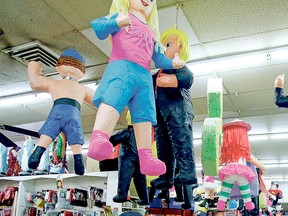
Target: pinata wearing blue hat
65 116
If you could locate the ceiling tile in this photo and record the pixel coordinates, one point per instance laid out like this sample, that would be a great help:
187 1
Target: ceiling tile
253 79
246 43
197 53
223 19
168 17
11 71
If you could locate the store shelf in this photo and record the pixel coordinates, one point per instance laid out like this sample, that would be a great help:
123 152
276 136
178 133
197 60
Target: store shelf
36 183
53 176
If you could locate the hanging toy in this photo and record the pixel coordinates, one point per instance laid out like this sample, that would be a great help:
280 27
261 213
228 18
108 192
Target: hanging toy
13 165
68 95
26 151
211 133
276 194
58 154
3 160
134 31
235 151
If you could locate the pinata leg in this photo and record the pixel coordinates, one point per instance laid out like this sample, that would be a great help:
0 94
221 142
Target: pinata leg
42 145
226 188
78 159
100 147
149 165
245 192
184 154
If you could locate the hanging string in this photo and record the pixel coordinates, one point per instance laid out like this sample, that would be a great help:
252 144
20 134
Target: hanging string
177 13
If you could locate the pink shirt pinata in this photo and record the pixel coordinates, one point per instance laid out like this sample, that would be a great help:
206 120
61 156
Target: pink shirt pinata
139 39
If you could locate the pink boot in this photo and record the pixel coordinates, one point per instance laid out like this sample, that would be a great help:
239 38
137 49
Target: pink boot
249 205
100 148
221 205
149 165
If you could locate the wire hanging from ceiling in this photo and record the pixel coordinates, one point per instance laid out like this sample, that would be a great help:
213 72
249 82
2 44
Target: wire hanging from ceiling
177 14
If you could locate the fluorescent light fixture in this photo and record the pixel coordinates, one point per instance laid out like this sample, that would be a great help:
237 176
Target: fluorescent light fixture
279 54
271 165
275 161
239 62
276 165
279 136
43 95
258 137
32 98
94 86
255 137
279 179
24 100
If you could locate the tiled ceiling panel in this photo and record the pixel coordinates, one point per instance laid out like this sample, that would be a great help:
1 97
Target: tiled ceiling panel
222 19
197 52
30 19
11 71
254 100
260 41
253 79
168 17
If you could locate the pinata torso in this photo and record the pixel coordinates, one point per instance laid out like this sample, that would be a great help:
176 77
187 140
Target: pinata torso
134 43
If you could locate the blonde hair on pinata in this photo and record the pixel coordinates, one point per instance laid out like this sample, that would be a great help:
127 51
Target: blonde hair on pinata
119 6
182 37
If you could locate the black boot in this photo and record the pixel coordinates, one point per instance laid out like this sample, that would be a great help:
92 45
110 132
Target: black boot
78 164
35 158
185 163
165 154
186 205
125 171
179 194
240 205
140 185
120 199
162 183
188 191
164 194
152 192
143 202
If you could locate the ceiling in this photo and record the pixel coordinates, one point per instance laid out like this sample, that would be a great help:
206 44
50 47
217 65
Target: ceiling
219 30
